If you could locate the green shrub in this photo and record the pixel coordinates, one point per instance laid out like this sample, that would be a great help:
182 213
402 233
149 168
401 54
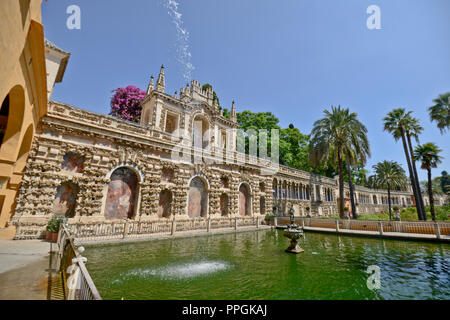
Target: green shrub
395 208
269 217
441 215
376 216
54 223
409 215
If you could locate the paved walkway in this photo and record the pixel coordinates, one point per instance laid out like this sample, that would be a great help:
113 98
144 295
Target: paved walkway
24 269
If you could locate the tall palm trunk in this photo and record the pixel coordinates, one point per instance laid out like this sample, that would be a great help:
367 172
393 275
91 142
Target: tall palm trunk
341 186
419 192
352 196
430 195
411 175
389 200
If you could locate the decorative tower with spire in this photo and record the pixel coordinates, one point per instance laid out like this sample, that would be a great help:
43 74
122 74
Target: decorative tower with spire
150 86
233 116
161 82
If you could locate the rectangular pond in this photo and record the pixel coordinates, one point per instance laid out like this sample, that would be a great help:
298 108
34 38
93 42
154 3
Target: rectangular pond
253 265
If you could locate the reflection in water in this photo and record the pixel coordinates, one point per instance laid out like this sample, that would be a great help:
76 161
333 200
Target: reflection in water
209 267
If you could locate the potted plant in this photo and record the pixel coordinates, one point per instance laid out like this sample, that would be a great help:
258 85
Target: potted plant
53 228
269 218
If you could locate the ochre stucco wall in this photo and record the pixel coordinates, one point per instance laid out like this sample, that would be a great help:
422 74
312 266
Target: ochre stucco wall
23 78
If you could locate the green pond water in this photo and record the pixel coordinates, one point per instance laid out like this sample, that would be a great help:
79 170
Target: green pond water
253 265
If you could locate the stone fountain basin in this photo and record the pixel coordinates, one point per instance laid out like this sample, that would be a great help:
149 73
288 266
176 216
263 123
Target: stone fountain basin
293 233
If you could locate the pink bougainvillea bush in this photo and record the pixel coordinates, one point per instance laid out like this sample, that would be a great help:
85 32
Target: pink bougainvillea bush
126 103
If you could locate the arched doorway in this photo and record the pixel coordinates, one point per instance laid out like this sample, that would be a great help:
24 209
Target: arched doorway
11 118
224 204
121 197
244 200
165 203
65 200
197 198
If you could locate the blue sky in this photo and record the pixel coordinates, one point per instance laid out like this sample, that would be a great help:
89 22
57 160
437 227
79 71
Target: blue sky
294 58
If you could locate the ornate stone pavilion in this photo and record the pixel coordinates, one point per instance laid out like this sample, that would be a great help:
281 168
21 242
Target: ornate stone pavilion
180 162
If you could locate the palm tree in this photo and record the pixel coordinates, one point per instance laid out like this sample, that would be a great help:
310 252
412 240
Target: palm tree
351 158
440 112
397 122
388 175
414 129
428 154
359 151
338 136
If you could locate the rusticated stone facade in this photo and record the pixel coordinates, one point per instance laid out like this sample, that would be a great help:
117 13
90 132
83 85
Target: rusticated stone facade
93 168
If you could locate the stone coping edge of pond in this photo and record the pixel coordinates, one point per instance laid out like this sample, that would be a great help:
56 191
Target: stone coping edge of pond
385 235
79 242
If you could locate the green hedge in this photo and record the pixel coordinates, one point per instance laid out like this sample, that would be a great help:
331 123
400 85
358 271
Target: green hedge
410 214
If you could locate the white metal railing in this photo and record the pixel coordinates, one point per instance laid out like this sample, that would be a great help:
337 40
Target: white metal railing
127 229
76 282
438 229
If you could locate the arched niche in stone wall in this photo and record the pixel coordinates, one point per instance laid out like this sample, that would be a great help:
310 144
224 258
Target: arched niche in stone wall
121 198
262 205
197 198
244 200
65 200
165 204
224 204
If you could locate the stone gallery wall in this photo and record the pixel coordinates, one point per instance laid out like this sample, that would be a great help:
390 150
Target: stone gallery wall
94 168
90 173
